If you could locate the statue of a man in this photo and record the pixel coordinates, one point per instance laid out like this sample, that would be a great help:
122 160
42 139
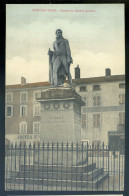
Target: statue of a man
60 60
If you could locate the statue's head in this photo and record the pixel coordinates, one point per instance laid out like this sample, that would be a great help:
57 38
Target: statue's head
59 33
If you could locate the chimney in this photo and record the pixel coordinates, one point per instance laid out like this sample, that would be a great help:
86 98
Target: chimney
107 72
77 72
23 81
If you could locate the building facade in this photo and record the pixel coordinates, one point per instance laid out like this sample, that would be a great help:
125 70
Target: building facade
103 115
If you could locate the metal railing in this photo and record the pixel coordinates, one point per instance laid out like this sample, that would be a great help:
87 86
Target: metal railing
63 167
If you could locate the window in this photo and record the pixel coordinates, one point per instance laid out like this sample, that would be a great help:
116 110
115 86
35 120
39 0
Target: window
96 143
36 110
82 88
122 85
23 127
122 99
23 97
96 100
96 88
23 110
36 127
9 111
9 97
83 121
96 120
121 118
36 95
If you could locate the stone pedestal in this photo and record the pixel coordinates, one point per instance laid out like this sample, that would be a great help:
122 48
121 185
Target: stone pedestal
60 115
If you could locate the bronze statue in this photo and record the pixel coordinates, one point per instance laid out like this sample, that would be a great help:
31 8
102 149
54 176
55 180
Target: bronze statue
59 61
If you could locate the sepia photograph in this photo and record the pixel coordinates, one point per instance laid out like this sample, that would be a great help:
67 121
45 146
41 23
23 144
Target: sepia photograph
65 97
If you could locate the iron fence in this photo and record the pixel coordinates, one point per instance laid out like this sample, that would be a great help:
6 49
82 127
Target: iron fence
63 167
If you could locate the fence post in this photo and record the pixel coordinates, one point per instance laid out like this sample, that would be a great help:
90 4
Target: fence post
71 163
57 168
15 165
87 161
24 166
114 155
92 150
82 168
33 164
103 163
29 160
11 165
119 170
66 162
108 148
61 163
42 165
38 162
76 164
20 155
47 162
52 164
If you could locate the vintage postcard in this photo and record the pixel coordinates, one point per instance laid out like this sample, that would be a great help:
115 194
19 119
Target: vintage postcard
65 97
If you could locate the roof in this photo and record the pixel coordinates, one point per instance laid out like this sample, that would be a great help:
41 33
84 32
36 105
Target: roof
75 81
100 79
28 85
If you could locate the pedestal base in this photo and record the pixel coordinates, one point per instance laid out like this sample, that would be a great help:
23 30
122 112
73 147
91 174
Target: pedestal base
60 115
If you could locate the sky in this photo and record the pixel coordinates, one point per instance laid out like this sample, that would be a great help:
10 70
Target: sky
95 33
